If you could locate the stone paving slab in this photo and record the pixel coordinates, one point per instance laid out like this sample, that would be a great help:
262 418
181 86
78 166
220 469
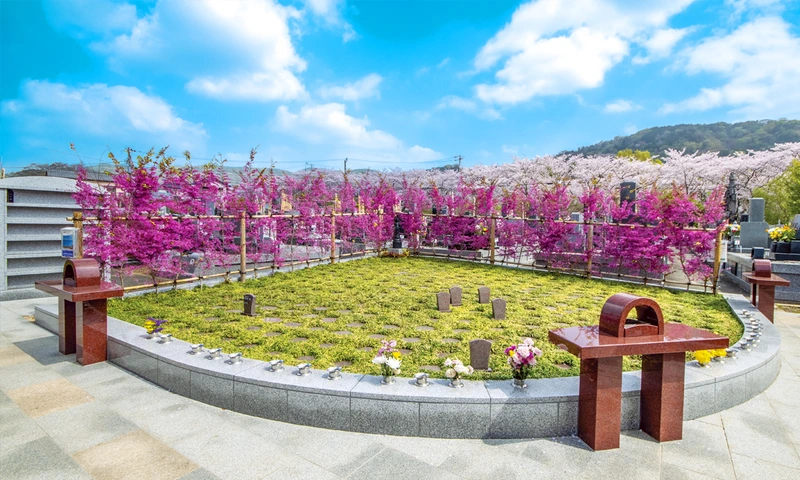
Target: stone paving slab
102 420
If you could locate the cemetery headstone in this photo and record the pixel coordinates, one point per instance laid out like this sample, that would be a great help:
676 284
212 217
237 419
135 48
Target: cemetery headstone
753 233
479 351
455 296
443 301
250 304
483 295
499 309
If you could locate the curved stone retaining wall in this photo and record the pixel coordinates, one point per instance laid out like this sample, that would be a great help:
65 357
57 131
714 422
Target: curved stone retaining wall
359 403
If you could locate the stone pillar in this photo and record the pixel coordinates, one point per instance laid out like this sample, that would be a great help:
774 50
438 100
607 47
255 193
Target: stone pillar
600 402
753 233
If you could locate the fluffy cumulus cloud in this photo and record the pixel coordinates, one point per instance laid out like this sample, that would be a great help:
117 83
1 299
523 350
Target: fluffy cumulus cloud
660 44
621 106
366 87
345 135
330 12
121 113
759 68
557 47
249 41
470 106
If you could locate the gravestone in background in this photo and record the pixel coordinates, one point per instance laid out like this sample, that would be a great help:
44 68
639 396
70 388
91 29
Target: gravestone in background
753 233
443 301
499 309
455 296
479 351
483 294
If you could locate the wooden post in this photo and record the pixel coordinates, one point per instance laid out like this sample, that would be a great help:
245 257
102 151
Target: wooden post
77 222
242 247
492 226
717 259
589 249
333 237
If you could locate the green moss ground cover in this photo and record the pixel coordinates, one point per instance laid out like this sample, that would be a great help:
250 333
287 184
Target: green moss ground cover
338 314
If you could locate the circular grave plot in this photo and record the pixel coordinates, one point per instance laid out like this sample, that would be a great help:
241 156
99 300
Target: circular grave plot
370 315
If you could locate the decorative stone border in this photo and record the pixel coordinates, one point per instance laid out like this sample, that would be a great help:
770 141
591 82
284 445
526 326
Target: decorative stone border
359 403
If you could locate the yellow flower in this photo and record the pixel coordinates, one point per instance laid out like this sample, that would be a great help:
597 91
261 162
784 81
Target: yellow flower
702 356
511 353
396 354
720 352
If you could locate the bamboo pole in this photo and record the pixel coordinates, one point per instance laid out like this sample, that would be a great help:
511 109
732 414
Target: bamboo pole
333 238
589 248
77 222
242 247
717 260
492 227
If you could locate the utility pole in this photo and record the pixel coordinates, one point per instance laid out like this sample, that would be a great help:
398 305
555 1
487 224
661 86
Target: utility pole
345 165
458 157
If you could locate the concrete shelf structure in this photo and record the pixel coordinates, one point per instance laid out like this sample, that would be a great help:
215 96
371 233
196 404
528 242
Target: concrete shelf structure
33 210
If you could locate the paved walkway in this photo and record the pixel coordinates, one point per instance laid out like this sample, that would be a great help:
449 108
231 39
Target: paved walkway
61 420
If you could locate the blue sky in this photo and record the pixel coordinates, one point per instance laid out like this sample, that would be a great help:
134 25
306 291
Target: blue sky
388 84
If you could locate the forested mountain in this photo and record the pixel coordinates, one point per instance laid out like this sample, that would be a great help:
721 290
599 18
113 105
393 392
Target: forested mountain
722 137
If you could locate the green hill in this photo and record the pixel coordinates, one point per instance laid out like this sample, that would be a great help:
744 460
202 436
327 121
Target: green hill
722 137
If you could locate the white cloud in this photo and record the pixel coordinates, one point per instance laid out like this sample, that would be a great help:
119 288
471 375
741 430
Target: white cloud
470 106
121 112
661 43
330 125
250 41
330 12
758 62
556 47
621 106
741 6
366 87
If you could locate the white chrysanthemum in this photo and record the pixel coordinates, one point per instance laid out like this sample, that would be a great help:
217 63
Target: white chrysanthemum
393 363
450 373
379 360
460 369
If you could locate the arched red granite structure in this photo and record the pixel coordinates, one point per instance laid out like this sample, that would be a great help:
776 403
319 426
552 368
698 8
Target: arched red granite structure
82 309
601 348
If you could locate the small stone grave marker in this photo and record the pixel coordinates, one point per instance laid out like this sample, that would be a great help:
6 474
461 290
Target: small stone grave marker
479 351
499 309
455 296
443 301
483 295
249 304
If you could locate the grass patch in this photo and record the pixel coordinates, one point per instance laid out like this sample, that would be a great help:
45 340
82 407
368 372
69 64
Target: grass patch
338 313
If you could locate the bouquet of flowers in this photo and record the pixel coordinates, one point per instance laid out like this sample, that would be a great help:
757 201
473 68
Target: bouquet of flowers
522 358
732 229
388 358
456 368
784 233
154 325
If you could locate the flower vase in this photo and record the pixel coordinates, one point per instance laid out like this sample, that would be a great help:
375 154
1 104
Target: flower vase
152 335
387 380
456 383
520 383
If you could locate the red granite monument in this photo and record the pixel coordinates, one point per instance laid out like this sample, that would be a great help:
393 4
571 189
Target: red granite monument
762 290
82 309
601 348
